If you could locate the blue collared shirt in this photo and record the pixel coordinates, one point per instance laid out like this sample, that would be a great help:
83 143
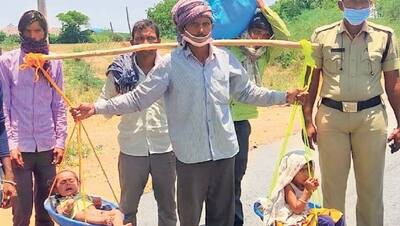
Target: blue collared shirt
197 102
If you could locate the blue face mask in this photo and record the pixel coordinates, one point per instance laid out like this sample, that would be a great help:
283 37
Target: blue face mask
356 16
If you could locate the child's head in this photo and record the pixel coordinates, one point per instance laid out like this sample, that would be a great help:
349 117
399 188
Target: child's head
66 183
303 174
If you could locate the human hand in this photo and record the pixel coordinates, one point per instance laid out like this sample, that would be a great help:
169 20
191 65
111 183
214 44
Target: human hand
58 154
68 206
9 194
260 4
97 202
394 137
311 135
297 96
16 156
84 111
311 184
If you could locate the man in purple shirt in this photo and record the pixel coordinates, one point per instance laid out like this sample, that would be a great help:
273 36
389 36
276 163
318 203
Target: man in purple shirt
35 117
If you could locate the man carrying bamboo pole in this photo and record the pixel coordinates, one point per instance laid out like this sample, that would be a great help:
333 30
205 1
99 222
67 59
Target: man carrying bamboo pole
36 120
197 80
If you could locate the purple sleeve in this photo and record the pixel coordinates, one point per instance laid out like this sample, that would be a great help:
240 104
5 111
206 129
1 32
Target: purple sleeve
58 107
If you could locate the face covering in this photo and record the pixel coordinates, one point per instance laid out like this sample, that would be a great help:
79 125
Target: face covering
29 45
197 41
356 16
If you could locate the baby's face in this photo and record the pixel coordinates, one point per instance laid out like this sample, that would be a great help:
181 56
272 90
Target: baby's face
67 184
303 175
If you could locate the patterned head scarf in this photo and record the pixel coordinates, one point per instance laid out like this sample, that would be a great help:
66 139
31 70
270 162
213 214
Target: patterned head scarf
185 11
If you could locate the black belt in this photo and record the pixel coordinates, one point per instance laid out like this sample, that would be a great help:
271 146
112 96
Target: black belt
344 106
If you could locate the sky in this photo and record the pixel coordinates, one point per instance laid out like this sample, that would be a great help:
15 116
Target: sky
100 12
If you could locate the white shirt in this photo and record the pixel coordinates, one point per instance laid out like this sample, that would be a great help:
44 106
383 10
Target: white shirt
140 133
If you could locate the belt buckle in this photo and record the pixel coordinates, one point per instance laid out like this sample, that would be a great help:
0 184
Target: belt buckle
349 107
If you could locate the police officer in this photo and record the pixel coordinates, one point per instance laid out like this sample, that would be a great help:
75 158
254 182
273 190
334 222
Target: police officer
351 121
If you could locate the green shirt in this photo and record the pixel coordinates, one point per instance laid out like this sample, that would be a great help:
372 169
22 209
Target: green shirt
241 111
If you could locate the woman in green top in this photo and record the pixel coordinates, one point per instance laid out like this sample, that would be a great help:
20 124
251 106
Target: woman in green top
266 24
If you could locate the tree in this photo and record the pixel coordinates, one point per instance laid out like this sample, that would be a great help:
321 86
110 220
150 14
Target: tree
72 23
161 14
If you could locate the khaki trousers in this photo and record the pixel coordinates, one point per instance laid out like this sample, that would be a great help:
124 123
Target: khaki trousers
360 137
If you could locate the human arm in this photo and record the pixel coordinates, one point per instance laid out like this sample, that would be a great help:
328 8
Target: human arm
59 113
108 91
138 99
299 205
245 91
390 69
15 153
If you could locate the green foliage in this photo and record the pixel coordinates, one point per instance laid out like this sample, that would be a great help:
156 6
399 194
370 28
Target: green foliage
389 9
285 59
71 157
161 14
81 81
53 39
72 22
10 42
73 18
108 36
290 9
3 36
303 25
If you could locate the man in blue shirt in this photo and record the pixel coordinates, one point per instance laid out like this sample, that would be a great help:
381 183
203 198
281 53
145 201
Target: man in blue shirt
9 191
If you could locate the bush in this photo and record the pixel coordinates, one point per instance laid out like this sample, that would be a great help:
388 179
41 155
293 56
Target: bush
389 9
53 39
10 42
71 157
2 36
82 84
285 59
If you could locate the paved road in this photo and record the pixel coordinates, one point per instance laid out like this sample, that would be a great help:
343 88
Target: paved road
258 177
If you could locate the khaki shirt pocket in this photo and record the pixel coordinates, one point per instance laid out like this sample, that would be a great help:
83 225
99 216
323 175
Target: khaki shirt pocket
333 62
371 63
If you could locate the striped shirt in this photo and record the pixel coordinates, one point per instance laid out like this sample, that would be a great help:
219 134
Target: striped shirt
35 115
197 102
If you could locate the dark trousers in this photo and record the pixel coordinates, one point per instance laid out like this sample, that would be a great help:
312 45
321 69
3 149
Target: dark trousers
211 182
243 130
133 175
38 164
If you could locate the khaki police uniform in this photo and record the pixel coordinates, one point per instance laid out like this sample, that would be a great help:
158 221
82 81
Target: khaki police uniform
352 72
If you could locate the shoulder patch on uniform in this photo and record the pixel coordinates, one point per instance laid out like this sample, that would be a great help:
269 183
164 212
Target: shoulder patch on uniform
327 27
380 27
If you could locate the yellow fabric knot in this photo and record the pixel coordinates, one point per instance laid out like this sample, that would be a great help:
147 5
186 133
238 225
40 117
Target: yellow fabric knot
35 61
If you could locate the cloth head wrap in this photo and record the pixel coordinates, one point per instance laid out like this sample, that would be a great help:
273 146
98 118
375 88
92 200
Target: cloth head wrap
185 11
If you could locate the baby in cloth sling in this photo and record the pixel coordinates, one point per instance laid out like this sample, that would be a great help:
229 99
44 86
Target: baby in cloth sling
289 202
74 205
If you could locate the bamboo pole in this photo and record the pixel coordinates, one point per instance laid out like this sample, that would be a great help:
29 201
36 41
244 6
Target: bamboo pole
170 45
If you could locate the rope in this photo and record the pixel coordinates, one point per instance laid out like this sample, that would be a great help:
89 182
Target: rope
36 62
303 81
